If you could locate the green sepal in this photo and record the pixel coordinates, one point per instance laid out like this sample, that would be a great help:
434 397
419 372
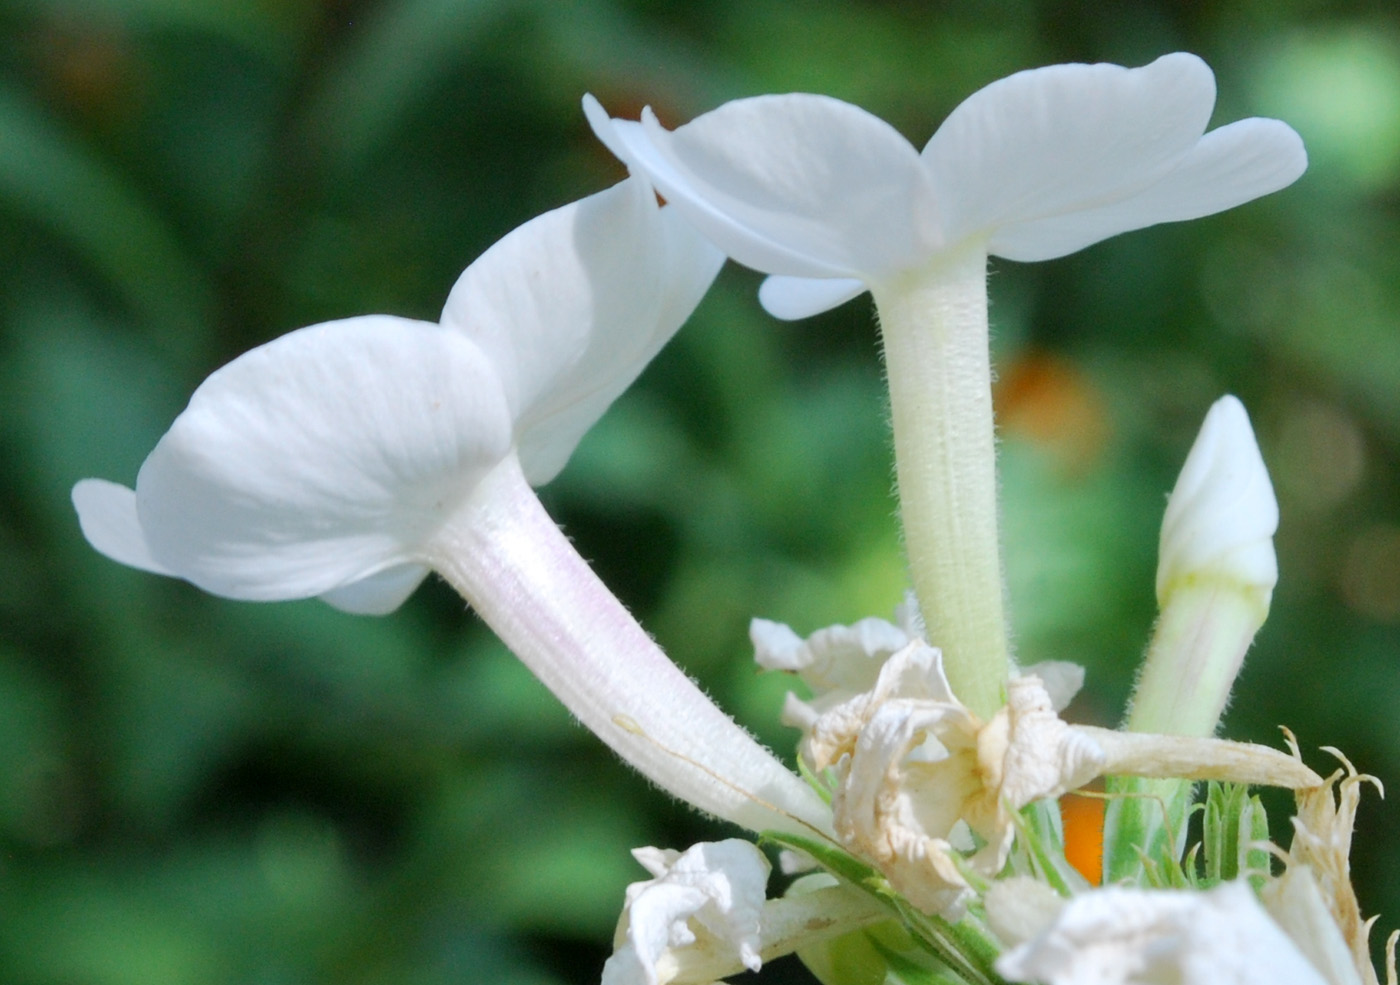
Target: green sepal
966 948
834 860
1235 823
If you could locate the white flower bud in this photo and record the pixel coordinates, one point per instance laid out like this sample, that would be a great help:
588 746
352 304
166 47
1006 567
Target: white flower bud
1222 515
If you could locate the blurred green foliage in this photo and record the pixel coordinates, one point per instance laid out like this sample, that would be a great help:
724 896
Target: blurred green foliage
195 791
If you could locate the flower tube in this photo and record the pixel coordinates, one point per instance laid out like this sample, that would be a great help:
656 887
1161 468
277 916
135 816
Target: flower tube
346 460
832 201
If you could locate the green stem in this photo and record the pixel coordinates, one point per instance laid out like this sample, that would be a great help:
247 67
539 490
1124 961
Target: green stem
934 328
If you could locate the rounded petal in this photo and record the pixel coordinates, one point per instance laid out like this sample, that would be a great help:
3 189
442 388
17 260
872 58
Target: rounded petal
380 594
1227 167
1058 140
795 184
321 459
571 306
1222 515
107 515
791 298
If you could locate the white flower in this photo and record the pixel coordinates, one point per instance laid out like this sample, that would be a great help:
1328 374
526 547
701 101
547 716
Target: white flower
703 917
1032 167
706 901
1120 936
346 459
832 201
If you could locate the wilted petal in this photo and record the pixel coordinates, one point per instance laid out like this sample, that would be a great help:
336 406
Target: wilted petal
571 306
795 184
1119 936
323 458
1058 140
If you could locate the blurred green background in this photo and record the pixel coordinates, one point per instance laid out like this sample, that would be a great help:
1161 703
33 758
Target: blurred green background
195 791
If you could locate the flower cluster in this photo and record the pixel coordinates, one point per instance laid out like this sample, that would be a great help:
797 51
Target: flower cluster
347 460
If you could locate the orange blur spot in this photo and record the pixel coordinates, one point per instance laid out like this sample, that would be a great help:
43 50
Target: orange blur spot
1050 401
1083 820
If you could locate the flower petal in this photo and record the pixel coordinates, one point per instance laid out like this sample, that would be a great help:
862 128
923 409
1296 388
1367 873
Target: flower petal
794 184
322 458
1120 936
791 298
1227 167
107 514
708 899
1059 140
379 594
571 306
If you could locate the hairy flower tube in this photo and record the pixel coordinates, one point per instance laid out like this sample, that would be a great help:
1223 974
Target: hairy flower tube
832 201
346 459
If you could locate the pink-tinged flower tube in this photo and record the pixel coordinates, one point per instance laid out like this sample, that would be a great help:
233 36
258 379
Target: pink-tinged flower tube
346 460
832 201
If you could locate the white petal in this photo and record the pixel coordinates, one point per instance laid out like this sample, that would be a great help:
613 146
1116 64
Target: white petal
795 184
776 646
380 594
1062 680
322 458
107 514
791 298
571 306
708 898
1119 936
1222 515
1059 140
1228 167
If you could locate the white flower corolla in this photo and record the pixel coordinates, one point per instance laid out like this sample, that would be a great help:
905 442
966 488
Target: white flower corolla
833 201
1122 936
706 901
912 765
1032 167
703 917
347 459
1222 514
